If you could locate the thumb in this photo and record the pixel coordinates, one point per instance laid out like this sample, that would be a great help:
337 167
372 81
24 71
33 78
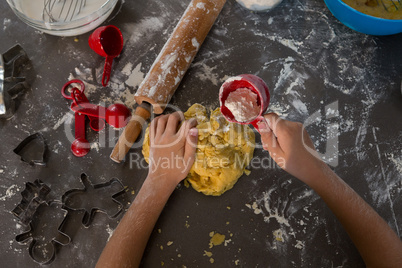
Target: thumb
190 149
191 143
191 132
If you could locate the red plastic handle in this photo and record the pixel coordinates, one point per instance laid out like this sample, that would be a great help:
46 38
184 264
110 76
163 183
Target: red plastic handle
107 69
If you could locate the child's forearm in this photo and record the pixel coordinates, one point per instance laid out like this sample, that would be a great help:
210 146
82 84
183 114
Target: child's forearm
127 244
377 243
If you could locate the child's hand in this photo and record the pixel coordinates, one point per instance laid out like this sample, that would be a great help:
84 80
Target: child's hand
289 144
172 149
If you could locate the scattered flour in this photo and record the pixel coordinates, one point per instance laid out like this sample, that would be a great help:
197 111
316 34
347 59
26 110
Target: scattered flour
135 76
66 117
292 44
299 244
145 28
6 22
208 73
95 145
397 161
110 231
10 192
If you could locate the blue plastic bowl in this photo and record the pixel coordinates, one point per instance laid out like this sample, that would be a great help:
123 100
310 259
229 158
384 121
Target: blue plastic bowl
361 22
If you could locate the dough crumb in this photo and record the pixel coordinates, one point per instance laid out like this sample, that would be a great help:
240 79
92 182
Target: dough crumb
216 239
208 254
278 235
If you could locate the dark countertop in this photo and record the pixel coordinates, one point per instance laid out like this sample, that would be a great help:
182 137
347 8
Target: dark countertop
345 86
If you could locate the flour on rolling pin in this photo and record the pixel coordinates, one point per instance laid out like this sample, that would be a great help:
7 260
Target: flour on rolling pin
242 103
179 51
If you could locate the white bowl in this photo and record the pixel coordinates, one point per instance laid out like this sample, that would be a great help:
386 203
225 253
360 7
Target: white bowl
90 16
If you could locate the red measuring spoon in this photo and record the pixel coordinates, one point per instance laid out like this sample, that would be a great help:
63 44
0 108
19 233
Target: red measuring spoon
107 41
256 85
78 96
116 115
80 145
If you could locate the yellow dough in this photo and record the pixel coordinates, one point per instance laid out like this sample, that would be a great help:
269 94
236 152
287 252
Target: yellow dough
223 152
386 9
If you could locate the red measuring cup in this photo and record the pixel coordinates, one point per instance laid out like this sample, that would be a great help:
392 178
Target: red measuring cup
107 41
256 85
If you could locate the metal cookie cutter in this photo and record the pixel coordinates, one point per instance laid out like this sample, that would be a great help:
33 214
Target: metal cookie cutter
44 219
11 86
93 198
34 194
45 232
32 150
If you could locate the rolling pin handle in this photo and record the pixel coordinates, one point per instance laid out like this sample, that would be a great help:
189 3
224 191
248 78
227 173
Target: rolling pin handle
131 132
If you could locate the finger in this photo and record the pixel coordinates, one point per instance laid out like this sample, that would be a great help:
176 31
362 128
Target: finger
186 126
191 145
190 148
268 139
152 129
173 122
275 123
161 125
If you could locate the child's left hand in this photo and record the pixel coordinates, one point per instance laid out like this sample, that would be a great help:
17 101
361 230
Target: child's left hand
172 149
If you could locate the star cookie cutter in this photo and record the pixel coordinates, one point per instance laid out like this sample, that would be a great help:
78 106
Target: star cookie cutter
91 199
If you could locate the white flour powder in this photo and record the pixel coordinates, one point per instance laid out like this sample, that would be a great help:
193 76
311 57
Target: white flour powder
242 103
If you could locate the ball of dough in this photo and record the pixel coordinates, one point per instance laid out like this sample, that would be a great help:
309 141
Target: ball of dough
224 151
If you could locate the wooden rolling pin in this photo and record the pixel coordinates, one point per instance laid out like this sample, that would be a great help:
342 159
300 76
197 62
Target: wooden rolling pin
169 68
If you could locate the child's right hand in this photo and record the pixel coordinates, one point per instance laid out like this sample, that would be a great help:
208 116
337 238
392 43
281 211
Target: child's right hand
290 146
